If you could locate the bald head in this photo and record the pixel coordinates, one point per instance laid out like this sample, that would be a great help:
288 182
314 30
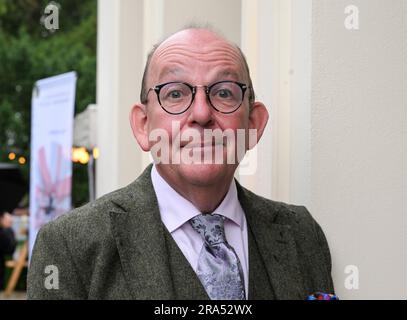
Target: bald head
200 42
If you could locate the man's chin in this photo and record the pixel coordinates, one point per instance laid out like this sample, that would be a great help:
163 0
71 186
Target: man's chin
201 174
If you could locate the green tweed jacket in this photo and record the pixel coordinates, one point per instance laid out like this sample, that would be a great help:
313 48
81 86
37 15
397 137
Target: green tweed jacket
117 248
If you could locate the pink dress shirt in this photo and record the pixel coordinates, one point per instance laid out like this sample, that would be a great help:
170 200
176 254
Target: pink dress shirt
176 211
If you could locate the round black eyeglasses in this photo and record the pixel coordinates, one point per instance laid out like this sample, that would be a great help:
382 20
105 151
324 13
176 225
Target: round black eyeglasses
176 97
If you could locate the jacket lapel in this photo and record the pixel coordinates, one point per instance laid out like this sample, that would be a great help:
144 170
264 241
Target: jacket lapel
276 246
187 285
139 235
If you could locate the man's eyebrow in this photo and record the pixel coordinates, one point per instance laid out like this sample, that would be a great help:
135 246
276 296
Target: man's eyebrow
169 70
229 73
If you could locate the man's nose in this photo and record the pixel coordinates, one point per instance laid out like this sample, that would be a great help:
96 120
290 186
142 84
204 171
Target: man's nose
201 109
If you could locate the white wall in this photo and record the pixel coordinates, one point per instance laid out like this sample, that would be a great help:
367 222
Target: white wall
359 142
338 104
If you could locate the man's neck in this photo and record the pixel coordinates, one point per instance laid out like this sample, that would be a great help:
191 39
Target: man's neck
205 198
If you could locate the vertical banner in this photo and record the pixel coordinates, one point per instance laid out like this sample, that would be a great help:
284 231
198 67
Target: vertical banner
52 112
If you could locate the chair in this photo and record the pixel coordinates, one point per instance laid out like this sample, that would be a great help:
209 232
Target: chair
17 266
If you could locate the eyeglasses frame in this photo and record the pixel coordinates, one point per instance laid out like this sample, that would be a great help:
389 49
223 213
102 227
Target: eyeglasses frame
193 89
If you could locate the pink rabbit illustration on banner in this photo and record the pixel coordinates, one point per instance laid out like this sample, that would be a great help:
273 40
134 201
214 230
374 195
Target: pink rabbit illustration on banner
54 190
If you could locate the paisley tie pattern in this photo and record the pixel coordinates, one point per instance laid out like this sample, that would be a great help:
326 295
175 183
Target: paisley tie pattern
219 267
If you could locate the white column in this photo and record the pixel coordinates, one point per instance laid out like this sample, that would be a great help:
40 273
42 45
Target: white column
153 32
223 15
276 37
262 42
119 73
300 74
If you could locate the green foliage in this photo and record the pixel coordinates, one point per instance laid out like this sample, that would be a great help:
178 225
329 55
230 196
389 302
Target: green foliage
28 52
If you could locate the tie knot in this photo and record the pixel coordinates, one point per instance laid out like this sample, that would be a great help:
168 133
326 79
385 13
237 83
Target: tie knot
210 227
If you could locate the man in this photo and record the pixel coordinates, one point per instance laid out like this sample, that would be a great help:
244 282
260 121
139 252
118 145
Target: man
185 229
7 241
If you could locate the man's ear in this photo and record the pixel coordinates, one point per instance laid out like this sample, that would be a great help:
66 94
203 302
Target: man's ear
138 122
258 119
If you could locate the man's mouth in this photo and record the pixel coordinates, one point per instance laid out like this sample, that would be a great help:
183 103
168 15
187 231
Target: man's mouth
202 144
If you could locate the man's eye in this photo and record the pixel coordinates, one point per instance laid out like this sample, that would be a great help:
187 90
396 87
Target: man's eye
224 94
175 94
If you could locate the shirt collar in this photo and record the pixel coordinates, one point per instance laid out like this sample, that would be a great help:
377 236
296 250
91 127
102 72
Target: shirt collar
175 210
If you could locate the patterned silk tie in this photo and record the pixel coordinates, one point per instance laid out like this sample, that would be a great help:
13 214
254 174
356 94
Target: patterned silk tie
219 267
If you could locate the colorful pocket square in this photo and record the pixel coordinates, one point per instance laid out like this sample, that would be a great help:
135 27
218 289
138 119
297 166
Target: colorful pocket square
322 296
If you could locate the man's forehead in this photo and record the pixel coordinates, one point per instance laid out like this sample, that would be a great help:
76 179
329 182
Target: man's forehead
204 45
232 73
